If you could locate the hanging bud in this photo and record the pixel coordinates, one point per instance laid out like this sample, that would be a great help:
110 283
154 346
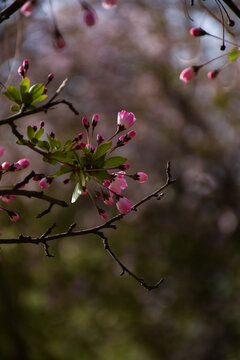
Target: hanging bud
27 8
189 73
196 32
213 74
89 16
59 41
100 138
108 4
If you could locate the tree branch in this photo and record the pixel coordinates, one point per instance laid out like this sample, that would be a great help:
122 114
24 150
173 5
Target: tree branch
11 9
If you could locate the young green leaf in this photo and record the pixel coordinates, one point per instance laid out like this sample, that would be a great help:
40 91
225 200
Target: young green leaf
40 98
76 192
233 55
30 132
39 133
15 108
44 145
64 169
13 94
114 161
102 149
36 90
27 99
24 86
101 175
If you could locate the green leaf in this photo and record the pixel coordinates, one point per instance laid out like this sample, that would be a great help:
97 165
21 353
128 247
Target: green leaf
13 94
24 86
64 169
76 192
39 133
44 145
101 174
114 161
30 132
19 142
40 98
102 149
67 145
233 55
15 108
27 99
63 157
36 90
73 177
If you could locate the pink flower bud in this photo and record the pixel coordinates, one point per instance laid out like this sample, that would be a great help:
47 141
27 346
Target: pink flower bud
125 119
25 64
118 184
95 120
24 163
21 71
13 215
27 8
50 77
85 123
5 165
141 177
106 183
108 4
189 73
124 205
15 167
44 184
59 41
90 17
42 124
108 199
2 151
100 138
213 74
196 32
131 134
102 213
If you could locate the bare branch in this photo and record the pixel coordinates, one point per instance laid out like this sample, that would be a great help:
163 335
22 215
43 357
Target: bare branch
11 9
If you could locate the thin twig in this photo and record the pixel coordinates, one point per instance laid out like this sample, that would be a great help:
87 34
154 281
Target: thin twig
11 9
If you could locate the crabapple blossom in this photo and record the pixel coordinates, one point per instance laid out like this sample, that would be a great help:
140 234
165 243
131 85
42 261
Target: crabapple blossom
2 151
125 119
102 213
95 120
108 199
85 123
21 71
118 184
8 198
124 205
100 138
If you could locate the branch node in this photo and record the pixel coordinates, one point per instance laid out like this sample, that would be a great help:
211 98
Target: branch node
71 227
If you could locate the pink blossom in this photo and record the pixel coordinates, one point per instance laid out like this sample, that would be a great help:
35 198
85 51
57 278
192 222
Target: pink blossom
90 17
44 184
5 165
118 184
141 177
25 64
13 215
95 120
85 122
188 74
197 32
21 71
2 151
125 119
124 205
27 8
108 4
24 163
213 74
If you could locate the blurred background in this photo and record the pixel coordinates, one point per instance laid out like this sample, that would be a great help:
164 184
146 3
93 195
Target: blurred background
75 305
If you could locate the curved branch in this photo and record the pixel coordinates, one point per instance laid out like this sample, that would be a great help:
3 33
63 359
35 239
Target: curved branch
11 9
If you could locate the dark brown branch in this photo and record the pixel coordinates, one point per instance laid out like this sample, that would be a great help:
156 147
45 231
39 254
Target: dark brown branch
43 108
45 212
233 7
25 180
124 268
34 194
11 9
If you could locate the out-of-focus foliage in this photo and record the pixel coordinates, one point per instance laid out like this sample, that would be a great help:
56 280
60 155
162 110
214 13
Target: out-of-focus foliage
75 306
